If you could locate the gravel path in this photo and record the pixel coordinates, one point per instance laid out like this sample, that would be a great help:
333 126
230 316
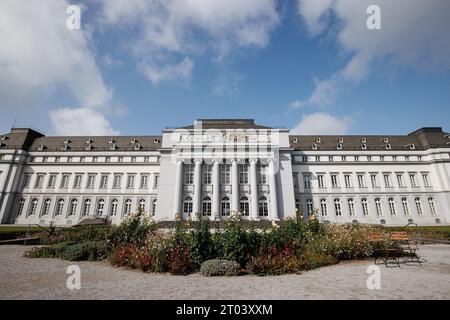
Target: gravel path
24 278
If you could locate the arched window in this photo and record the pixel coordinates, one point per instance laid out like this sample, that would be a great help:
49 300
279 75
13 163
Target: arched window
206 206
100 207
392 206
378 206
187 206
405 206
128 206
114 207
226 206
73 207
59 207
323 207
142 205
419 206
263 207
20 207
87 207
351 207
365 207
432 206
46 208
309 206
244 206
154 206
33 207
337 207
297 205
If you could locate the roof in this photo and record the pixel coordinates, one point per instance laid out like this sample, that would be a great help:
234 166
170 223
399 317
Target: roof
225 124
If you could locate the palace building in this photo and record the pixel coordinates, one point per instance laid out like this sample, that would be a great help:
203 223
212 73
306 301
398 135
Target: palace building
220 167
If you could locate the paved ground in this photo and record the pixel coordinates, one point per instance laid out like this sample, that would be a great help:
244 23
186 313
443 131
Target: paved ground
24 278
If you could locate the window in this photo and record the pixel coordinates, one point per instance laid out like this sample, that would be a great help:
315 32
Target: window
225 174
46 208
59 207
317 158
87 207
307 181
432 206
412 178
128 206
154 206
323 207
356 158
351 207
262 174
20 207
33 207
334 181
26 181
243 174
365 207
142 205
374 180
144 181
378 206
73 207
39 181
419 206
309 206
387 180
369 158
104 181
331 158
392 206
156 181
206 206
320 180
263 208
394 158
304 158
77 181
405 206
400 180
337 207
348 181
207 174
295 180
187 206
297 205
114 207
188 174
51 181
133 159
100 207
361 181
244 206
117 181
64 181
130 181
91 181
426 182
226 208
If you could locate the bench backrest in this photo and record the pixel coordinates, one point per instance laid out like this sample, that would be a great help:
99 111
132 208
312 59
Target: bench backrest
377 237
399 236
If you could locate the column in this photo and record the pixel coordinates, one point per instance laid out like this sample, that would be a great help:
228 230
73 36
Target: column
216 191
178 189
234 187
273 191
254 214
196 207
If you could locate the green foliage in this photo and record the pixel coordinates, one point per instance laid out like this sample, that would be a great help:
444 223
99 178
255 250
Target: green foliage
76 234
91 250
201 244
217 267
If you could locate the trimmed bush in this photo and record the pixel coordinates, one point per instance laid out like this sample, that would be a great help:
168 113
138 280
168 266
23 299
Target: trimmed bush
92 251
217 267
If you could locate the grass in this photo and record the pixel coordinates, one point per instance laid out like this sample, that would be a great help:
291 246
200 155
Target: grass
427 232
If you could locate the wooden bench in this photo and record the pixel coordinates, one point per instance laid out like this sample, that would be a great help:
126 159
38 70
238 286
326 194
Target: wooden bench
409 247
384 252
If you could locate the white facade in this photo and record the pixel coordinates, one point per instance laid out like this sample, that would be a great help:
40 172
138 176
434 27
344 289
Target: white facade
218 167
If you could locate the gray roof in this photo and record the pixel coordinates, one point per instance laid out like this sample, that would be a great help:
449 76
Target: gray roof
226 124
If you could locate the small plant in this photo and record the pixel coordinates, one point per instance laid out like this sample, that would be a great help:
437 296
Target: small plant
217 267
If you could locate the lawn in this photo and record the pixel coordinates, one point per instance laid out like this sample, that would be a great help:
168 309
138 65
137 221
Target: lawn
429 232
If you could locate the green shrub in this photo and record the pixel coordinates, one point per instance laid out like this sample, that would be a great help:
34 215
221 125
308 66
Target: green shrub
201 244
53 251
217 267
91 250
76 234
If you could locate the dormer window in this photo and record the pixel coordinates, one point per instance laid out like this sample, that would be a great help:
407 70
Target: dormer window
3 138
339 146
66 141
388 146
363 140
294 140
364 146
314 146
341 140
40 147
411 146
137 146
88 147
318 140
2 145
133 141
112 147
156 141
88 141
386 140
111 141
65 147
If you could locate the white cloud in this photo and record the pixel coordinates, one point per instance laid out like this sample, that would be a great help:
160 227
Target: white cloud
80 121
227 84
325 92
156 75
322 124
414 35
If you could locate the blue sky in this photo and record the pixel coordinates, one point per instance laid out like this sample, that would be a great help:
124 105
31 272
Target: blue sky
136 67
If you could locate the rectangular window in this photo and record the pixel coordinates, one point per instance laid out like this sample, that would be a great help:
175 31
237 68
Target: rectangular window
348 181
26 181
351 207
91 181
130 181
426 182
412 178
187 207
387 180
334 181
52 181
156 181
104 181
243 174
262 174
263 209
374 180
117 181
225 174
307 181
400 180
361 181
226 209
144 181
188 174
320 180
64 181
39 181
77 181
207 174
